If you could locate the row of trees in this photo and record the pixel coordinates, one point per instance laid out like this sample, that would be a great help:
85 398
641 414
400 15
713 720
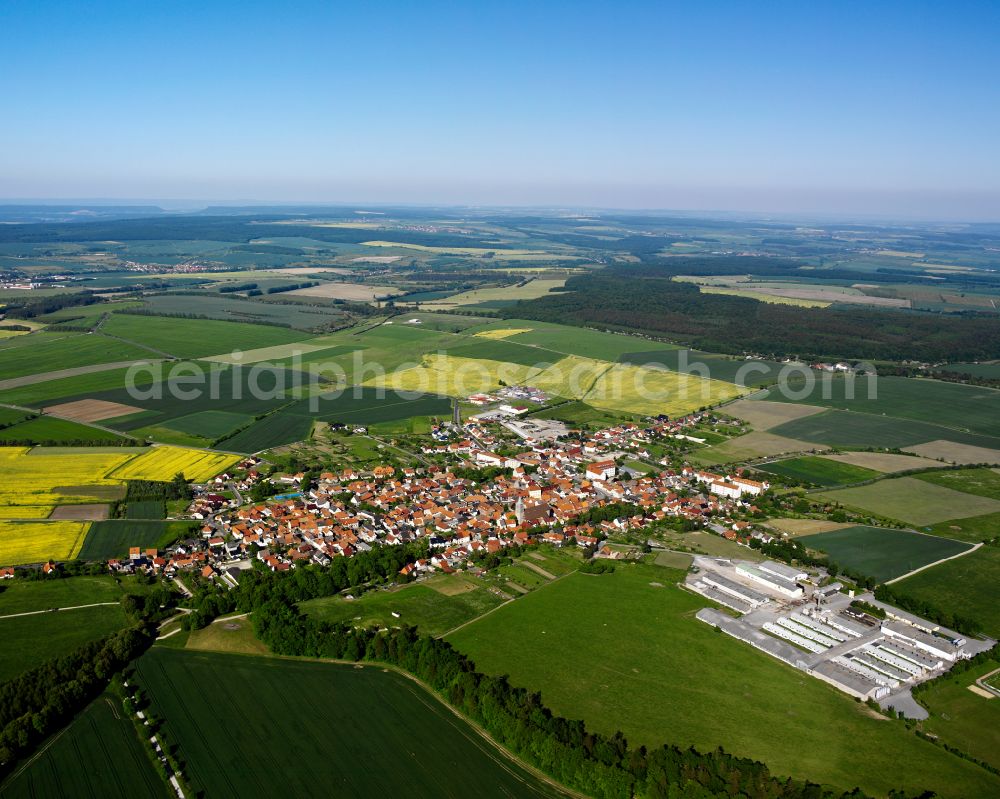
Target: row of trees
599 765
42 700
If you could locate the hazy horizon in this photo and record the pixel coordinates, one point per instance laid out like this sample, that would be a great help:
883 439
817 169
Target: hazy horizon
855 110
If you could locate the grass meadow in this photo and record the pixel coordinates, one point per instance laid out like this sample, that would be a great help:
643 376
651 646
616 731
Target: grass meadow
819 470
912 500
967 586
625 654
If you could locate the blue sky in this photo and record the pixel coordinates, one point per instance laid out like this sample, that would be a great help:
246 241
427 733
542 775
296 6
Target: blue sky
876 107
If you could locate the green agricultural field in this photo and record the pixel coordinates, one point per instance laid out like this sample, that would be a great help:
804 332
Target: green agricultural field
974 528
656 673
507 350
981 482
51 392
965 408
913 501
966 586
68 351
964 719
113 538
567 340
578 414
271 431
819 470
29 641
49 429
706 364
989 369
837 428
11 416
233 309
302 708
881 552
370 405
435 606
209 424
194 338
146 509
98 755
26 596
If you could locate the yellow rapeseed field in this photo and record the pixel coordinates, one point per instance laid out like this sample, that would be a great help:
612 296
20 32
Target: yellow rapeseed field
636 389
37 542
504 332
453 376
163 463
25 511
44 479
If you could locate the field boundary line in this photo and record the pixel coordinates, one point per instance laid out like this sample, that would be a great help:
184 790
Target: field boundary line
969 551
55 610
503 604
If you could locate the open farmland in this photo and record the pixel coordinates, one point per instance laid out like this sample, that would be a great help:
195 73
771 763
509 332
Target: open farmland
112 538
52 391
965 408
164 463
749 704
964 719
39 541
819 470
50 430
501 294
29 596
966 586
957 453
743 372
752 445
883 553
98 755
635 389
272 431
43 477
568 340
355 292
912 500
434 606
446 757
884 462
763 415
838 428
194 338
232 309
980 482
65 352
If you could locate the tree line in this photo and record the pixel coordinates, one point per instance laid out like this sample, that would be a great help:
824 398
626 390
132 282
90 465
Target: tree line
630 299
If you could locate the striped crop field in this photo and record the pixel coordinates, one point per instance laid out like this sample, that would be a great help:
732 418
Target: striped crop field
164 463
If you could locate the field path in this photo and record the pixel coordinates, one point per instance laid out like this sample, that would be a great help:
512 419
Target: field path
53 610
166 355
935 563
538 570
43 377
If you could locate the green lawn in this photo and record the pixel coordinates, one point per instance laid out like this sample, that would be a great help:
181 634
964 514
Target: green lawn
435 606
331 729
965 719
968 586
98 755
981 482
623 654
883 553
819 470
911 500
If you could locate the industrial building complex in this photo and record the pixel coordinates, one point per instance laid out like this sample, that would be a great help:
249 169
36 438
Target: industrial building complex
810 623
